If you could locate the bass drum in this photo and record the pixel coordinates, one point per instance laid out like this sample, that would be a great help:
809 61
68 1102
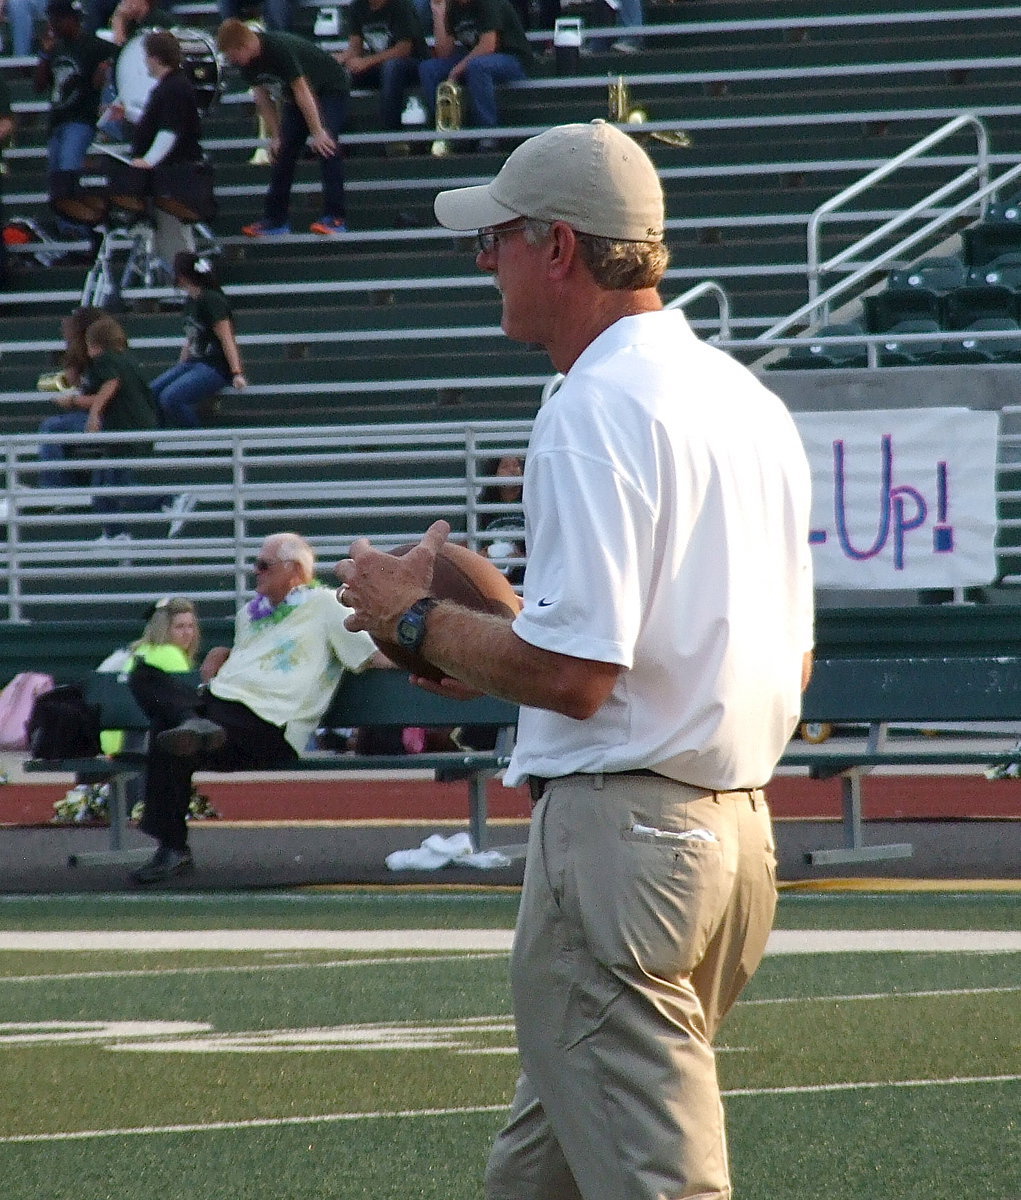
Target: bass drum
198 55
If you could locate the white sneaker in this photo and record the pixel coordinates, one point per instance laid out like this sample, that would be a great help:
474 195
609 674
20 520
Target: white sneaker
178 509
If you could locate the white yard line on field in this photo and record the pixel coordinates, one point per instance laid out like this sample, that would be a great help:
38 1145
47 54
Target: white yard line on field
330 1118
781 941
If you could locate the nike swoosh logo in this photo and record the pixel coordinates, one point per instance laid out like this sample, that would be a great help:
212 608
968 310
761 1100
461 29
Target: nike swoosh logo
546 603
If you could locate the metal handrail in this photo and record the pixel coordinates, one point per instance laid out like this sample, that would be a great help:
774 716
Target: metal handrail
980 171
708 287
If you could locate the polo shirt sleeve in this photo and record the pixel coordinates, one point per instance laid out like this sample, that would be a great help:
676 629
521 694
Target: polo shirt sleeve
583 586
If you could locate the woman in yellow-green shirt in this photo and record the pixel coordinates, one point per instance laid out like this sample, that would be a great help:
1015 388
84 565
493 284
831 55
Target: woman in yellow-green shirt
168 646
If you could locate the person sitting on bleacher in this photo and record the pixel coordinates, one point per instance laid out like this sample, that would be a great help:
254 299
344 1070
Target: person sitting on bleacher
312 110
210 358
385 46
263 698
73 67
477 43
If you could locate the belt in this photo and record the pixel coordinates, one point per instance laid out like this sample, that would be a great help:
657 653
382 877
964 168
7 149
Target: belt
537 783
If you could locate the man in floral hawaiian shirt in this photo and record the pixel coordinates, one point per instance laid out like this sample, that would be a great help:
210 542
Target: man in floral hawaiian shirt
261 700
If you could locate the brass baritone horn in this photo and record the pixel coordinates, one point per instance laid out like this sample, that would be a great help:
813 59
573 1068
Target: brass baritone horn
57 382
449 113
621 113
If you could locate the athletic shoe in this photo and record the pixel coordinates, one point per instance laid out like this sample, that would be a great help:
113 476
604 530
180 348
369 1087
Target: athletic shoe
625 47
191 738
163 865
177 510
329 226
259 229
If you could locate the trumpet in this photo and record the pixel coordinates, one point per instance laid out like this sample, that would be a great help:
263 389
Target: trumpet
449 113
55 382
621 113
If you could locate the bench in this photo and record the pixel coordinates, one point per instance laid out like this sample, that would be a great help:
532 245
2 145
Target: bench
921 691
375 697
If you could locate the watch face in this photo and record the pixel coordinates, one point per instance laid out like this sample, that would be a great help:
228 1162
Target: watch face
409 631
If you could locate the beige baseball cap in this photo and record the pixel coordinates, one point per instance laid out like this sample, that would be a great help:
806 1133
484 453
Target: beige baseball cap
597 179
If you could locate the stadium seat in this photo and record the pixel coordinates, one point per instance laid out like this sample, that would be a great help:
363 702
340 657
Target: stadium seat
938 274
965 350
1005 270
989 240
895 353
885 309
961 308
824 349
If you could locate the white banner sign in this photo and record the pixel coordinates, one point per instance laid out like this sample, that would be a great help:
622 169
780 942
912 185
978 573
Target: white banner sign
902 498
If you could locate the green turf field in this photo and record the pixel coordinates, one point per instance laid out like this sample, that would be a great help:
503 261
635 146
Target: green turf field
307 1074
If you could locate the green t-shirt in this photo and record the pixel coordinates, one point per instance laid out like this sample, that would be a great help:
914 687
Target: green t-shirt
380 28
201 314
467 21
285 57
73 63
133 405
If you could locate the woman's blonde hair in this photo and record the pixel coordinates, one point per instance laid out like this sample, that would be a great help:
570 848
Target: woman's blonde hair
157 628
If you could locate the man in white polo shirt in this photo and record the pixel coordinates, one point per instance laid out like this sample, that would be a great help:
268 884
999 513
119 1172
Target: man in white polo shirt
264 697
659 658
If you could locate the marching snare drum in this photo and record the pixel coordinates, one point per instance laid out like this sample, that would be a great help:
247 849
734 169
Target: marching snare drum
198 59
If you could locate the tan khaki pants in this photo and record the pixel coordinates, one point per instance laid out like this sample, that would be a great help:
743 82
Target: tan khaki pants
645 910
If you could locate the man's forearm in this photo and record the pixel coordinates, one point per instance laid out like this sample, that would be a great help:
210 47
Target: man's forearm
484 652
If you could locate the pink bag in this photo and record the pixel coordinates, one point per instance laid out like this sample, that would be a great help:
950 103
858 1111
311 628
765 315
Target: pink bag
16 701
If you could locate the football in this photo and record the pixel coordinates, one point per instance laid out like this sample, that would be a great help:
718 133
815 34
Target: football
468 579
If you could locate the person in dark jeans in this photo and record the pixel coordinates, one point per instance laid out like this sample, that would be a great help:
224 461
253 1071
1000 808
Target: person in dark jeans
260 702
385 45
313 110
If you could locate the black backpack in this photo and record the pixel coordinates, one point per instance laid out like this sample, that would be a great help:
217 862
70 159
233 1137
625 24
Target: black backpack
63 725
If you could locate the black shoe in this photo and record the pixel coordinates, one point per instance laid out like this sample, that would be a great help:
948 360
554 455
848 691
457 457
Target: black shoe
192 737
164 864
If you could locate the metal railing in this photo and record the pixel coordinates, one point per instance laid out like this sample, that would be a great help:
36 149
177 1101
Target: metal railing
197 506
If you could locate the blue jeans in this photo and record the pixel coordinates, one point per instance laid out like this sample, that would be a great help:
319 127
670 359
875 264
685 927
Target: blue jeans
276 14
393 78
480 78
181 391
72 421
293 133
104 477
23 15
66 157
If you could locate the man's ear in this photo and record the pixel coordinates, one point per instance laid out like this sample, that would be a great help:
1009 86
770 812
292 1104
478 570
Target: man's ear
563 247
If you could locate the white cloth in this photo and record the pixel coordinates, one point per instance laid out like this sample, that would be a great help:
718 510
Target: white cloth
287 671
667 500
437 851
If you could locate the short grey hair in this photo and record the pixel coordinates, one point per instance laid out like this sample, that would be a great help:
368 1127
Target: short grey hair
614 265
292 547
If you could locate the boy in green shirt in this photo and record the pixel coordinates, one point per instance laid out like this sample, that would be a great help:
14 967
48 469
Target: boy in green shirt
120 401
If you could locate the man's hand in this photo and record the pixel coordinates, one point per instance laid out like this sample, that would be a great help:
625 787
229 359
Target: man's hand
381 587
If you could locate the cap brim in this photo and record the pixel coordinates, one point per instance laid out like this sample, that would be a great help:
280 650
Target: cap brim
471 208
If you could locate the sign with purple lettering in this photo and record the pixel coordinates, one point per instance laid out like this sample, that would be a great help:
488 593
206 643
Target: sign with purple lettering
902 498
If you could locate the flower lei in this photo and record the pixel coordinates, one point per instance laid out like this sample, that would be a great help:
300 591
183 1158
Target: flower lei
261 612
